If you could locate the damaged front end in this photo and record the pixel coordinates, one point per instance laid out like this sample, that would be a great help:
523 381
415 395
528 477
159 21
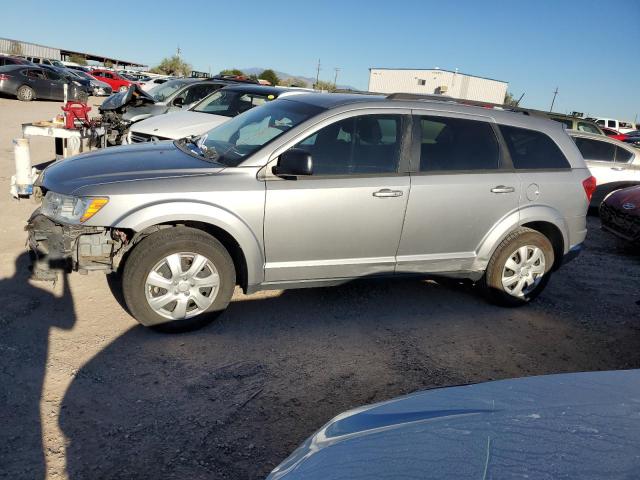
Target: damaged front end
56 247
114 108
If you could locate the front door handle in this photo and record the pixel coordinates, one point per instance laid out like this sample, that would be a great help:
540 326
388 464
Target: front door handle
503 189
387 192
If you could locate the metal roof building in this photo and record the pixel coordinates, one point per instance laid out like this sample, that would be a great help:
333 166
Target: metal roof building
437 81
28 49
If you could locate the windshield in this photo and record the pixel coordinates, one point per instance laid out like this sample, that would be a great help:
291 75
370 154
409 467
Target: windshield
230 103
162 92
233 141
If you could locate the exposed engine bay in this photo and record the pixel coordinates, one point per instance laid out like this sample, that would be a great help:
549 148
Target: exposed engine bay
114 112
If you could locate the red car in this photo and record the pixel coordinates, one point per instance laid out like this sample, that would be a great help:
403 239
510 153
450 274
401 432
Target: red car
610 132
117 82
620 213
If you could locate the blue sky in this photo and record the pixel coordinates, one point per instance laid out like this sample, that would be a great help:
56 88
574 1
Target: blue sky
588 49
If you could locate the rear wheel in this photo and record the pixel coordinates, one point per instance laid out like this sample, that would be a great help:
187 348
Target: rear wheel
178 279
519 268
25 93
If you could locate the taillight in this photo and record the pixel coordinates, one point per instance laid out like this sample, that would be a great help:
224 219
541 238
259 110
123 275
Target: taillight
589 185
4 76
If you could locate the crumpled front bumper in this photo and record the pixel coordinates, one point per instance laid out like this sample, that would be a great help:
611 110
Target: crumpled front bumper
56 248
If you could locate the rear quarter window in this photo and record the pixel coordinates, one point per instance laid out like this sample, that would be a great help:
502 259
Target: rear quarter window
530 149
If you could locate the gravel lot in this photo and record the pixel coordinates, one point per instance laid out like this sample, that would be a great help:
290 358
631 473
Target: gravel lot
86 393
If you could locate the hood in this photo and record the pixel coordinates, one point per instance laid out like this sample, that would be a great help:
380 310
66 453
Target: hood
627 199
584 425
133 96
179 124
120 164
137 113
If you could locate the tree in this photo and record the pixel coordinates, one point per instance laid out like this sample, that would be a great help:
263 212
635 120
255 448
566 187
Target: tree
108 63
322 85
232 71
79 59
293 82
15 48
510 100
270 76
173 66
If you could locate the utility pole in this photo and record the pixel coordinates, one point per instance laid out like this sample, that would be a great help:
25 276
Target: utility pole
554 99
318 72
335 78
178 50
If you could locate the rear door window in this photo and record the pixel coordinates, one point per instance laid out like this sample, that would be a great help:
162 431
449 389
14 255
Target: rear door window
622 155
596 150
454 144
531 149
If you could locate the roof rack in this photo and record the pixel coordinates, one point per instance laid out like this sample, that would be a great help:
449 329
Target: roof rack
459 101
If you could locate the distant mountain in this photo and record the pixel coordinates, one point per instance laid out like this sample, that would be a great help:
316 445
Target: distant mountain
309 81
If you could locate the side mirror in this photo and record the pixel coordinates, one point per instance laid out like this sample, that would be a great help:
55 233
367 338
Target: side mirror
293 163
178 102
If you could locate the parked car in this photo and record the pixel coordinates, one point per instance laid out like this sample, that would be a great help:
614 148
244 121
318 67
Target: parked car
72 77
622 127
576 123
210 112
313 190
117 82
614 164
28 83
10 60
571 426
98 88
610 132
123 109
43 61
633 138
154 82
620 213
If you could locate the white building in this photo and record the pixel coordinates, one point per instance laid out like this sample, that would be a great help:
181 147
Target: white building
436 81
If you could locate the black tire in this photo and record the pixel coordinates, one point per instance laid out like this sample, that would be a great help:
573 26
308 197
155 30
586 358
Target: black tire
152 250
25 93
491 283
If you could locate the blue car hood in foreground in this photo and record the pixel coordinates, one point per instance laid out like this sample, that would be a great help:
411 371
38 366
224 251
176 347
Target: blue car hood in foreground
570 426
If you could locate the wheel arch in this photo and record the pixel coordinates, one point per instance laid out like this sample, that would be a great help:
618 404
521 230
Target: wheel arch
238 238
543 219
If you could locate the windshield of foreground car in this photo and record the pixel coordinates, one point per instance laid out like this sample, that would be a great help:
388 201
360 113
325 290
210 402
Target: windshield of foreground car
233 141
230 102
162 92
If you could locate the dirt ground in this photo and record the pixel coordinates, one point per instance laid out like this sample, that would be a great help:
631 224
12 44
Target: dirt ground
85 393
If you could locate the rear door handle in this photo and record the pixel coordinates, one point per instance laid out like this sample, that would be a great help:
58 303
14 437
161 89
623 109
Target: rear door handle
387 192
503 189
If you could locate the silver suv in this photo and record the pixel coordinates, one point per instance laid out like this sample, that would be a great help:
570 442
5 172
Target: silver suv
318 190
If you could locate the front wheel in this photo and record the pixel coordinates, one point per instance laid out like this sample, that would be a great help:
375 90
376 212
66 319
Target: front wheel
519 269
178 279
123 89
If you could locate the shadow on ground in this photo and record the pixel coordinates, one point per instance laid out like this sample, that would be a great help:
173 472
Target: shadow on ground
29 313
234 399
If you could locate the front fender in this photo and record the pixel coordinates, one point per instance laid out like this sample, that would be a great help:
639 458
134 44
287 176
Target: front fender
185 211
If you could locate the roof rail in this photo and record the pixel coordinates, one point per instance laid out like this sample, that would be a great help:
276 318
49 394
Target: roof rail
460 101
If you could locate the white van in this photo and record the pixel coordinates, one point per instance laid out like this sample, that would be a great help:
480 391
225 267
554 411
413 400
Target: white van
622 127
